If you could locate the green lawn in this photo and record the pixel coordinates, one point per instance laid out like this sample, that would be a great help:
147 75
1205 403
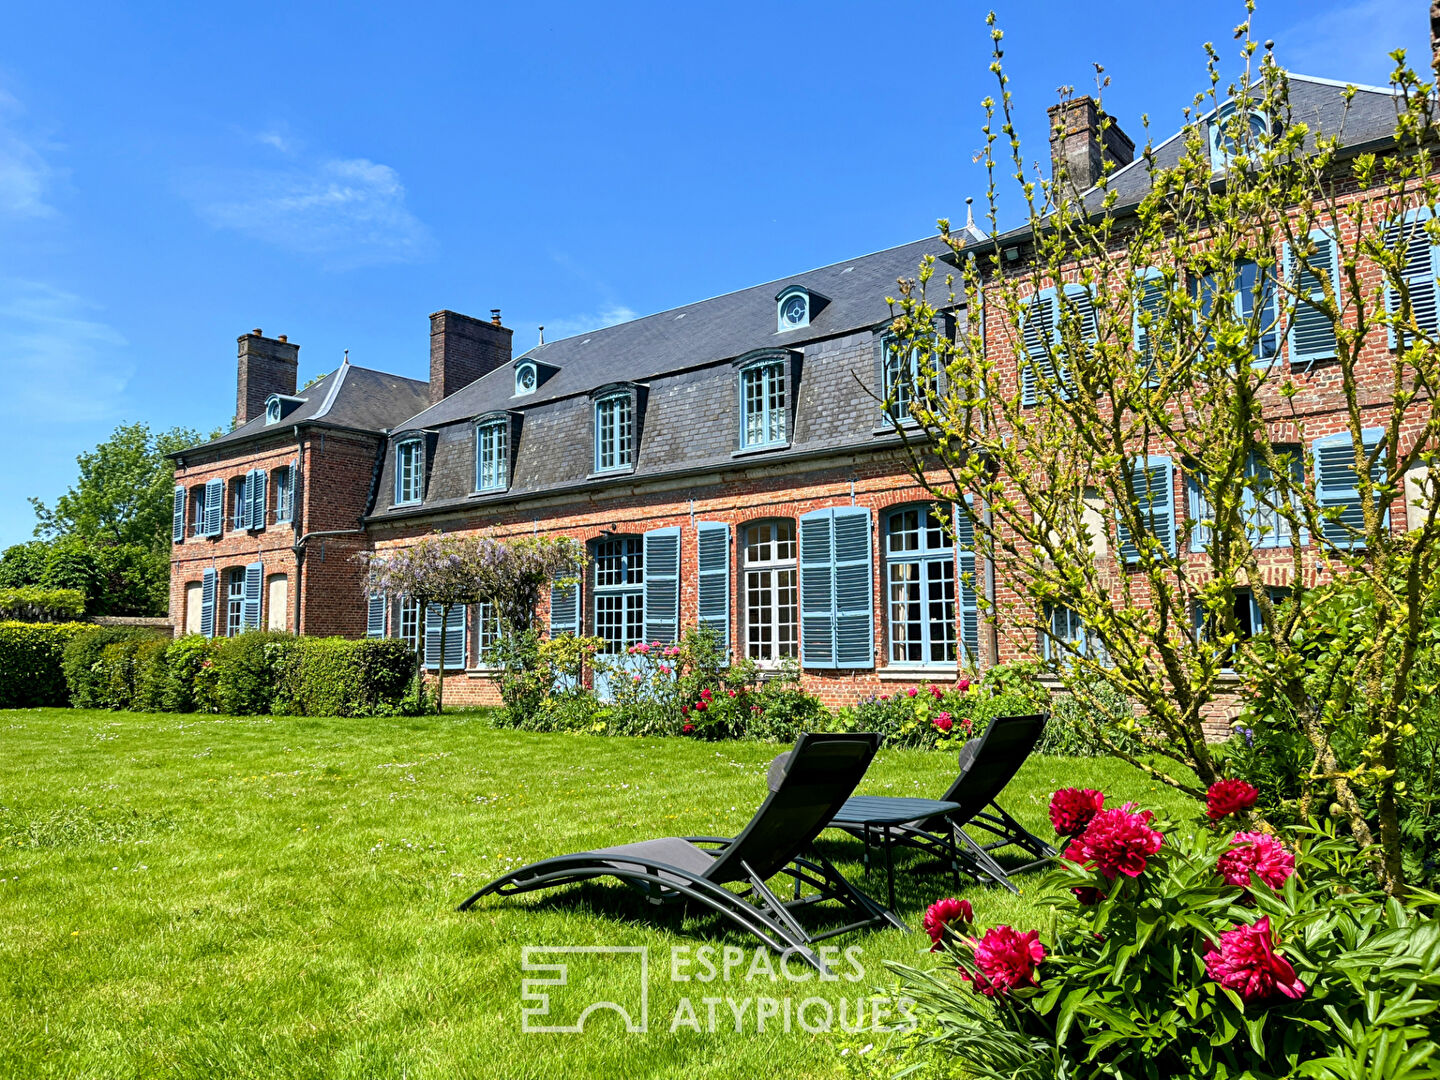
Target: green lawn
218 896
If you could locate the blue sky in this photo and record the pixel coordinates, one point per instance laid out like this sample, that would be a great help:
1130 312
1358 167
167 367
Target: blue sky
174 175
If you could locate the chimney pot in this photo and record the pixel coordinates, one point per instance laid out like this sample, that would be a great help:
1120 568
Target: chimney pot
464 348
1079 147
282 337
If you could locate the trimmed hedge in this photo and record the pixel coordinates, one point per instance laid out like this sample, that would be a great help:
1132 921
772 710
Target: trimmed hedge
99 664
32 604
341 677
32 674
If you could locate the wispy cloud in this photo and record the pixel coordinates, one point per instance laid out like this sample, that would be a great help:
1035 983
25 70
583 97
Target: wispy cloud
57 361
596 320
347 212
1351 41
24 173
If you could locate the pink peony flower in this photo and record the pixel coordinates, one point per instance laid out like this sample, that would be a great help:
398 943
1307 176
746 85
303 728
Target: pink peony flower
687 729
936 692
944 721
945 913
1088 895
963 685
684 710
706 694
1071 809
1247 963
673 650
1116 842
665 669
1227 797
701 706
910 692
1004 959
1257 853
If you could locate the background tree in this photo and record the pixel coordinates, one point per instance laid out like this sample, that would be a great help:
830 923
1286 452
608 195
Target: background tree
1147 353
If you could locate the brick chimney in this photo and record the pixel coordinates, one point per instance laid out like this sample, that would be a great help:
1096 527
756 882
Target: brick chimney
462 349
1077 141
266 366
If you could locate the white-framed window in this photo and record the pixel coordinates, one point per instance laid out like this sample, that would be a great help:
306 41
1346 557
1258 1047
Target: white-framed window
901 378
771 598
284 494
234 601
614 432
492 455
1068 637
763 412
408 628
409 471
792 309
618 595
487 633
1265 525
1252 290
920 587
197 510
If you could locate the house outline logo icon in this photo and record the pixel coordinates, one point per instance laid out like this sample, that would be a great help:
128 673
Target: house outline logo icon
535 1001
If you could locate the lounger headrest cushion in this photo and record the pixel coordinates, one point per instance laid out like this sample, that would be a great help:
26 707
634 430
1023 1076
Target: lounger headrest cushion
967 754
776 772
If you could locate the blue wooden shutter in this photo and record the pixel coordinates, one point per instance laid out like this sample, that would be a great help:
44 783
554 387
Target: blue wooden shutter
564 610
662 585
432 635
1152 488
713 584
177 525
817 590
250 603
1337 485
1038 331
258 498
214 507
1198 512
1418 269
454 637
1150 303
375 616
207 604
1312 334
965 589
854 589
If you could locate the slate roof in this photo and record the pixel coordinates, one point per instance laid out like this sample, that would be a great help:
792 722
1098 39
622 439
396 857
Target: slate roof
349 397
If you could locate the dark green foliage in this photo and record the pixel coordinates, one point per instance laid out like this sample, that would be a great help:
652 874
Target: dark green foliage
115 579
248 670
1071 731
525 679
188 681
151 674
31 603
98 675
32 663
946 715
341 677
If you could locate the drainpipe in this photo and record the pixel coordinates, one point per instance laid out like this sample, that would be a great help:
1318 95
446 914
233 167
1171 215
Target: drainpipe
298 524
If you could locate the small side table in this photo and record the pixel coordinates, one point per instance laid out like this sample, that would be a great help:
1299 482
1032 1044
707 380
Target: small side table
882 813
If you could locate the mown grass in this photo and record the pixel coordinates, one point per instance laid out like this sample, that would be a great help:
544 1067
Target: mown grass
223 896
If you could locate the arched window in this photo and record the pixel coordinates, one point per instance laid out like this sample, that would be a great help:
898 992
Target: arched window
771 609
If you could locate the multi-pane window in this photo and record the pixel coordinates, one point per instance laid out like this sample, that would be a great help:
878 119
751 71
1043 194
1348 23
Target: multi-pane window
197 510
920 587
487 633
235 602
239 498
1068 637
409 471
409 629
771 598
762 404
1253 290
619 592
1249 620
614 433
1261 499
492 457
284 493
902 377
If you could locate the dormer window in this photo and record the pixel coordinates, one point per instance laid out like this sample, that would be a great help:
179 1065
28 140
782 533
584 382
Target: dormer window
617 411
279 406
793 309
492 452
272 411
766 396
1229 140
409 471
526 379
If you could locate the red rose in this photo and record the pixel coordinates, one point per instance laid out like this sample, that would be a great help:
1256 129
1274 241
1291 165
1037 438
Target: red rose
1256 853
945 913
1004 959
687 729
1247 963
1116 842
1227 797
1071 809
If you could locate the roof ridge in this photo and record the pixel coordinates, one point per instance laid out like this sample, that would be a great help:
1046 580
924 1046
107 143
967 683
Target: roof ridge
340 374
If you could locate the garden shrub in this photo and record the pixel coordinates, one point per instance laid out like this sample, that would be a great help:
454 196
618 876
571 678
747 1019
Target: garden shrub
151 673
1184 951
1071 729
32 673
343 677
96 678
188 681
932 715
33 604
248 667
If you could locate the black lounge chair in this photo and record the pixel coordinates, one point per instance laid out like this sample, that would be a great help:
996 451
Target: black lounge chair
808 784
987 765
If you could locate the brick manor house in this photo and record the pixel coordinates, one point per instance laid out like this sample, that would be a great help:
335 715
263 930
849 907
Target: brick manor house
726 463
